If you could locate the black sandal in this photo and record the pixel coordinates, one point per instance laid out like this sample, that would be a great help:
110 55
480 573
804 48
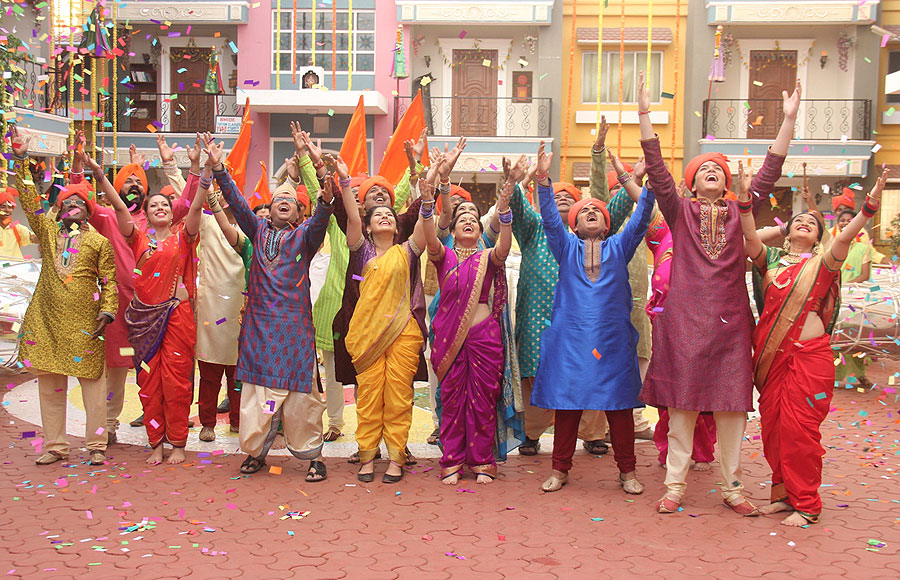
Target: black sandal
434 437
388 478
366 477
410 458
252 465
596 447
316 469
530 447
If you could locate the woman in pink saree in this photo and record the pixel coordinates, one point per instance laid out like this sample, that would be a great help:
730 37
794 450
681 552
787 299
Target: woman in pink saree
468 349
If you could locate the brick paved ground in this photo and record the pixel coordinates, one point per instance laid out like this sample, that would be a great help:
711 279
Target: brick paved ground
203 520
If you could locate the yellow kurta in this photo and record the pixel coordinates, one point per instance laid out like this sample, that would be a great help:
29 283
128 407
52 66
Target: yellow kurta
74 287
12 238
219 296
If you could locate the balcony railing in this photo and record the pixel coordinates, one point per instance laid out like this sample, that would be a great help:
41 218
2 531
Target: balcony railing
172 113
818 119
483 116
36 87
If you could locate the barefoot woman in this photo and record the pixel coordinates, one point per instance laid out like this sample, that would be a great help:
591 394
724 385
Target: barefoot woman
468 353
792 359
160 318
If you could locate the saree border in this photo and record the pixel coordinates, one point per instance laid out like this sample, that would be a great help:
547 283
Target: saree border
465 324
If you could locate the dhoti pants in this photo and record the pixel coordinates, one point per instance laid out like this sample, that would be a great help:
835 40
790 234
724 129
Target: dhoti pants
300 414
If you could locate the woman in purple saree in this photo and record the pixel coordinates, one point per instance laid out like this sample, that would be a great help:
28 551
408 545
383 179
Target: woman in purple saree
468 349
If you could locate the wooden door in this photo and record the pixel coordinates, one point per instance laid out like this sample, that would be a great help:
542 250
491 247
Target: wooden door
197 110
474 93
771 71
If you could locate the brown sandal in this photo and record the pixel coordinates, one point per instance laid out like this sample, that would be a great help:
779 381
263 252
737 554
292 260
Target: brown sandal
50 457
332 434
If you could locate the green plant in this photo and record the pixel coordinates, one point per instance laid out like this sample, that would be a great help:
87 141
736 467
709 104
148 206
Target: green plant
895 236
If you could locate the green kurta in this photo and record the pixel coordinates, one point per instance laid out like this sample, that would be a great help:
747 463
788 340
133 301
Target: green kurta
77 283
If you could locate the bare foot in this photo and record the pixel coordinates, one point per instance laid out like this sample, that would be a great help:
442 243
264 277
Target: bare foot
701 466
176 457
775 507
794 520
451 479
484 478
157 456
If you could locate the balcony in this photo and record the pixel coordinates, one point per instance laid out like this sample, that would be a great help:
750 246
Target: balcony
494 127
172 113
832 136
33 89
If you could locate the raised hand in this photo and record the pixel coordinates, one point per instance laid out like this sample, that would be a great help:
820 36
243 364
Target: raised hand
314 149
215 151
88 161
681 188
293 171
615 162
503 197
420 145
409 148
453 155
340 166
517 171
296 134
643 95
639 171
135 156
328 190
743 182
543 164
792 103
506 164
874 197
19 140
166 153
193 153
602 130
437 159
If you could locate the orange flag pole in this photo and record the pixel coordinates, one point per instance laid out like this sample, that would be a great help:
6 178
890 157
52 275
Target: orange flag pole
410 126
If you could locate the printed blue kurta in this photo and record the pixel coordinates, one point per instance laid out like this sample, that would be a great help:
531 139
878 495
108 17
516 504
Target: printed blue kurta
590 319
277 343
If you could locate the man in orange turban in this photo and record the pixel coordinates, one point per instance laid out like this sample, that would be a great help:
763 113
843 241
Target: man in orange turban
131 184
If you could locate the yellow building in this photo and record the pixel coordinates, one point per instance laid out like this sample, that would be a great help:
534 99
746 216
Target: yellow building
887 121
624 53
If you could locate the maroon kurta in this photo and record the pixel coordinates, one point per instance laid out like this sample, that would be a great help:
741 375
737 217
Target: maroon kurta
702 339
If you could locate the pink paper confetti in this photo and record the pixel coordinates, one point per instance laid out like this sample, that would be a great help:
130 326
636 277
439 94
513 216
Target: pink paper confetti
154 423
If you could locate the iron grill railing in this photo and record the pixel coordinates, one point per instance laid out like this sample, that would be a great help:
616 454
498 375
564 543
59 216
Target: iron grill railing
172 112
36 87
818 119
483 116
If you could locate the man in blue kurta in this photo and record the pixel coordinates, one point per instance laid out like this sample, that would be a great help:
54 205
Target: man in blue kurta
589 352
277 361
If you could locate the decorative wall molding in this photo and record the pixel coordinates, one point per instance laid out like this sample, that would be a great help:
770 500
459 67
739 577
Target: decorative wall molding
836 12
433 12
194 12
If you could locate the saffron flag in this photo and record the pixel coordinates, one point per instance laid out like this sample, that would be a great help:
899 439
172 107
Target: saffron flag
353 149
236 162
261 193
410 126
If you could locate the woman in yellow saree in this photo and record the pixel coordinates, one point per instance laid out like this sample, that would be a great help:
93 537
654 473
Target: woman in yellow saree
387 331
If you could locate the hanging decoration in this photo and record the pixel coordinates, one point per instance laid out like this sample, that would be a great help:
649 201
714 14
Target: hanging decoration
844 43
568 122
398 70
212 76
736 44
293 44
600 4
649 41
727 44
621 77
717 68
349 45
529 43
114 84
675 89
314 33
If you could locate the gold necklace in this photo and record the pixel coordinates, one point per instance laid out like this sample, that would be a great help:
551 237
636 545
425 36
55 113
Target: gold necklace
464 253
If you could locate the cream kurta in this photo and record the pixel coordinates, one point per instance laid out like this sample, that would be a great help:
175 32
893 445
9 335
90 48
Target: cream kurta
219 295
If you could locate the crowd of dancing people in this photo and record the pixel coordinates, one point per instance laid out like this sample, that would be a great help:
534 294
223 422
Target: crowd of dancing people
203 271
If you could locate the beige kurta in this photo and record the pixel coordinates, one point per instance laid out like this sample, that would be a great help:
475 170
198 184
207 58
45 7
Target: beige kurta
219 295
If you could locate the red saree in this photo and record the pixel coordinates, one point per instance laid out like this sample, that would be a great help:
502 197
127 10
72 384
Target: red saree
795 379
163 332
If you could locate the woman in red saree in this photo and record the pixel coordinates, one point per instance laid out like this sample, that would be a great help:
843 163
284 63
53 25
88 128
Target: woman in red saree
468 350
792 360
160 318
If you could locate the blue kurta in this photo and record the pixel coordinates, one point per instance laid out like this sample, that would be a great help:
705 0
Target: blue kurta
277 343
590 319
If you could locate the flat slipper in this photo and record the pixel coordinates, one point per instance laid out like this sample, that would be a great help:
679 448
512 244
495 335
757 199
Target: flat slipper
316 472
668 505
555 483
252 465
744 508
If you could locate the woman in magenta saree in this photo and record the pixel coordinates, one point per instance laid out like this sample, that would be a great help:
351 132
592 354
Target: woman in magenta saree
468 349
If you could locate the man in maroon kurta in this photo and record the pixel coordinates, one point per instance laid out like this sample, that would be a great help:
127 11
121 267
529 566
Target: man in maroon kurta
701 358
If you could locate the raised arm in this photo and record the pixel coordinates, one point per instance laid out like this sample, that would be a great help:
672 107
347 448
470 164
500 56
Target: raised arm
246 219
553 225
753 246
314 233
181 207
658 177
31 201
354 231
634 230
631 183
123 215
598 185
790 107
212 198
406 190
501 250
444 170
167 156
841 244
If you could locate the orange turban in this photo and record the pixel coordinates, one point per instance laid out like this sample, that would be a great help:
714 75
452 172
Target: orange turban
303 195
694 164
371 182
573 211
128 171
454 190
168 191
568 188
612 178
82 190
357 181
847 197
9 195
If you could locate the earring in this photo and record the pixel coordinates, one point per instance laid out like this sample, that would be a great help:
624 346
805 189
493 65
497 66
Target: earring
816 247
786 245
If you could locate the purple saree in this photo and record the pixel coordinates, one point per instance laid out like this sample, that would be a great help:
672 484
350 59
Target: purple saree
469 360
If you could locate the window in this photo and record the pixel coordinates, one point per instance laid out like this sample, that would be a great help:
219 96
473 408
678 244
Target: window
609 92
893 66
363 40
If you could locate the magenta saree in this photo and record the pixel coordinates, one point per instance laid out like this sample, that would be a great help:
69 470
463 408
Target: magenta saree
468 360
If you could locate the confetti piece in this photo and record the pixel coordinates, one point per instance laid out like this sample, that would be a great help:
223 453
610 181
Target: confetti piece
331 112
462 33
889 112
596 354
486 62
722 319
232 46
220 321
154 423
145 366
275 470
757 83
356 277
126 351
